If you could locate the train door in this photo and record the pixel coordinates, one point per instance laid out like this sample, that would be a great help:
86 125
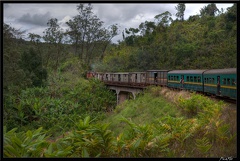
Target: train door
106 77
218 85
182 81
119 77
155 77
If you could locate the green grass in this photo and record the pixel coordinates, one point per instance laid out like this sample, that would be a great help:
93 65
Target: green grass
189 125
145 109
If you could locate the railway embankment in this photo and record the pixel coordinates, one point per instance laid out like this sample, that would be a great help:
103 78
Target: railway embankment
189 124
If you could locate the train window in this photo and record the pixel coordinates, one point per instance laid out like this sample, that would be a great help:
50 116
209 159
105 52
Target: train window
205 80
195 79
228 81
191 79
213 80
168 77
224 81
199 79
177 78
233 82
187 78
171 77
119 77
174 78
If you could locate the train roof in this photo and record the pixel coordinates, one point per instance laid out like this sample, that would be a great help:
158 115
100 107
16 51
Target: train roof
221 71
120 73
157 70
137 72
196 71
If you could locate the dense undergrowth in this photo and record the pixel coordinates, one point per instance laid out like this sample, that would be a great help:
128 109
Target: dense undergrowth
189 125
58 106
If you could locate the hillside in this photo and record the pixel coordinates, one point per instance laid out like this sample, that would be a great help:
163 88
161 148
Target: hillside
178 124
200 42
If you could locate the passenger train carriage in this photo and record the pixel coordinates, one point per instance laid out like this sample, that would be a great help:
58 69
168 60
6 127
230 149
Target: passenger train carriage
191 79
227 82
219 82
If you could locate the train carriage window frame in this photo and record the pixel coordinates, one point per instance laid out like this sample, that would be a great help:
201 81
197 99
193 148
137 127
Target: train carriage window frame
187 78
228 81
233 82
191 78
224 81
195 79
177 78
199 79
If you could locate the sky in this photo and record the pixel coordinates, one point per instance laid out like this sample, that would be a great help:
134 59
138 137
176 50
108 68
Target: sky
33 17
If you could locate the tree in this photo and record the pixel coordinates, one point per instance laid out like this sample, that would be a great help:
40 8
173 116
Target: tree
31 63
35 38
164 19
73 32
53 36
107 37
12 74
180 10
147 27
87 30
209 10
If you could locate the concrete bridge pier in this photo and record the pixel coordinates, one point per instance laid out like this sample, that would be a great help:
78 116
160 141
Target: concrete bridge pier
124 93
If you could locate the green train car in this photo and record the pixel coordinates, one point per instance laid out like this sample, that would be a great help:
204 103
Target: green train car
221 82
186 79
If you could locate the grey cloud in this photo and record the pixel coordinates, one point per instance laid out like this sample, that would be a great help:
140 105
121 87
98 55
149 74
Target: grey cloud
5 5
126 13
36 19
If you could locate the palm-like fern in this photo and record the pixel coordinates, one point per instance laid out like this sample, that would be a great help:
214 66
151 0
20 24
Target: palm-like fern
203 145
29 144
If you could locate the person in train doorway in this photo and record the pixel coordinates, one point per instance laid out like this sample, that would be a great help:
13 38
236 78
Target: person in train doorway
182 81
218 85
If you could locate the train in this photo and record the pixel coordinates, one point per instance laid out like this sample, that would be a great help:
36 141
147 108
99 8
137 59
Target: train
217 82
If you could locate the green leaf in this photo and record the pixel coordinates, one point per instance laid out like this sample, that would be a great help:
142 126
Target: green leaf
9 150
49 150
85 153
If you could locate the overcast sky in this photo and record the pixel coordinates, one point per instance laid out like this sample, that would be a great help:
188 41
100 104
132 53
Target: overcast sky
33 17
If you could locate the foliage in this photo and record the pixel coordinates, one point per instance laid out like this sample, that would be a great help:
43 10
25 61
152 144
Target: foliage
86 30
29 144
160 130
180 10
31 63
57 106
172 44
